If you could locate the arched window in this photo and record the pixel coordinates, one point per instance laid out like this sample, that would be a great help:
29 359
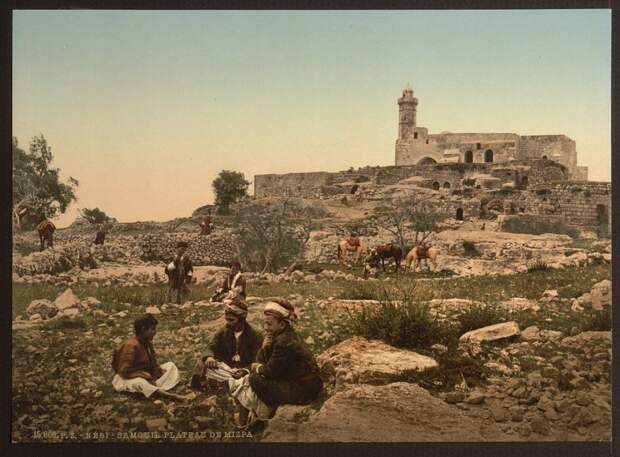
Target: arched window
436 185
469 157
415 135
524 182
488 156
446 185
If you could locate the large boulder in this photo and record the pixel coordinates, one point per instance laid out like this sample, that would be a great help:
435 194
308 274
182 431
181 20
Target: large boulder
397 412
492 333
66 300
358 360
601 294
43 307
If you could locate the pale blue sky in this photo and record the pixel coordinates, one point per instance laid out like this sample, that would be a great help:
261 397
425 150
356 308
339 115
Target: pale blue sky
146 107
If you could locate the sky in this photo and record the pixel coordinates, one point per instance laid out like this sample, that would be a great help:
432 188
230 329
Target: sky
145 108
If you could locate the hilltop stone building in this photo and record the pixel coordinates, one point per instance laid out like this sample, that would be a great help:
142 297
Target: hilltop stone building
474 175
416 146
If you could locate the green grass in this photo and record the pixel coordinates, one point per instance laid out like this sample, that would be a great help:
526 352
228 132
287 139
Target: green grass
25 248
570 282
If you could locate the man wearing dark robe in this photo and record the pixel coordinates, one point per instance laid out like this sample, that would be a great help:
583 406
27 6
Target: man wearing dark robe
235 344
286 371
180 274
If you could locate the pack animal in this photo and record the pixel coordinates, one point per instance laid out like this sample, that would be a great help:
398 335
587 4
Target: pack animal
351 246
389 251
421 252
46 229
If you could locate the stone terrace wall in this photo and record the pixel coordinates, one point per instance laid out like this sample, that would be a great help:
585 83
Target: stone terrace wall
581 204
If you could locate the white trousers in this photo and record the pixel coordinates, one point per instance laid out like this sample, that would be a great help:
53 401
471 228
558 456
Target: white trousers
167 381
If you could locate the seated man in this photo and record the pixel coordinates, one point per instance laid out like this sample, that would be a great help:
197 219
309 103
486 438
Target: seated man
286 371
136 368
236 344
232 286
179 273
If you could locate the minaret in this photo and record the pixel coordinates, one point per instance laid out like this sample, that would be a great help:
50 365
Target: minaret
407 107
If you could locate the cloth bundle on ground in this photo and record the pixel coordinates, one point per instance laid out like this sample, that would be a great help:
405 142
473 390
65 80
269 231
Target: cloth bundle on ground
241 390
166 381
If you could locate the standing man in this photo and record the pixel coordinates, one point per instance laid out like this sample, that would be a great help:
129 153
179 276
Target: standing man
180 274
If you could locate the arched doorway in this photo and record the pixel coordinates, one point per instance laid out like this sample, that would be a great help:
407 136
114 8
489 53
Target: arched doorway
602 220
446 185
469 157
524 182
488 155
427 161
459 214
436 185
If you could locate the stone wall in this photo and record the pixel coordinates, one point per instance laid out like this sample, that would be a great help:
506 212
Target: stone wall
558 148
586 205
304 185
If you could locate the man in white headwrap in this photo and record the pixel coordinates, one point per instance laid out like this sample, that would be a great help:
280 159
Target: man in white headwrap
236 344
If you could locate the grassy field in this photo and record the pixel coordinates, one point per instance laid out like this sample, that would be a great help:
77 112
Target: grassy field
69 388
569 282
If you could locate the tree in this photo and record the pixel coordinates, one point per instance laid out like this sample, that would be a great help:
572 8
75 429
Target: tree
274 235
406 215
96 216
229 187
37 189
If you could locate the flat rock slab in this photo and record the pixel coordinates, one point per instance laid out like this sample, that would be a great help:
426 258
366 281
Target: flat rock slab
492 333
397 412
368 361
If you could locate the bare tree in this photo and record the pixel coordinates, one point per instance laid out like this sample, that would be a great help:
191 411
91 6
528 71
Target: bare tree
406 215
275 234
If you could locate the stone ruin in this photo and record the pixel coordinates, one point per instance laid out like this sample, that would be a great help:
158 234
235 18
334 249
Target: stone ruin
474 175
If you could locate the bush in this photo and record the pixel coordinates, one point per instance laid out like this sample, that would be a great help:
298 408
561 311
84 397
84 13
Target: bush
470 249
478 316
401 323
538 228
362 178
539 265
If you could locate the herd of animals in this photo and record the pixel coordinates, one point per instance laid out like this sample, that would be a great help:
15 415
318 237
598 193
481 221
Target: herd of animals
379 254
350 246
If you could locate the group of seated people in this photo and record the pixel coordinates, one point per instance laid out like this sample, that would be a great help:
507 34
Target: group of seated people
259 372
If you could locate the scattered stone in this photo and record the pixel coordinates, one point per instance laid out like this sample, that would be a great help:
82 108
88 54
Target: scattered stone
601 294
475 398
492 332
531 333
540 425
43 307
152 310
499 413
66 300
156 424
454 397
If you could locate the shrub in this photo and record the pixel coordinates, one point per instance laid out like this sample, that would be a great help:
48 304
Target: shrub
362 178
538 265
470 249
478 316
401 323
